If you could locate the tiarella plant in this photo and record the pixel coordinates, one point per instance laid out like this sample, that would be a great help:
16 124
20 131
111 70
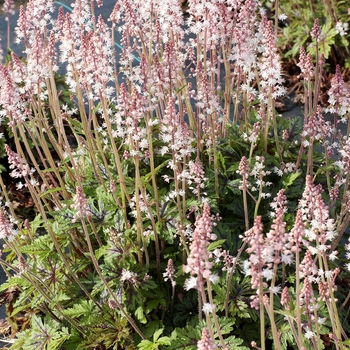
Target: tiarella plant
298 19
172 206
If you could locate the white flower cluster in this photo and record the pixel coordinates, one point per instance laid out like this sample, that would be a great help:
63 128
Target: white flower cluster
347 255
342 28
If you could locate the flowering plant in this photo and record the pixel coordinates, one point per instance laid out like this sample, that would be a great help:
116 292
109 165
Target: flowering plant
298 18
173 207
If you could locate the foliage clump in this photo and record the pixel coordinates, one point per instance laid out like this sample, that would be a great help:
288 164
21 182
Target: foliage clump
173 208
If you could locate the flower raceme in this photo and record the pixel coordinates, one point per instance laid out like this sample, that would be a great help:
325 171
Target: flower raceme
19 165
7 225
206 343
320 229
198 262
339 95
270 65
80 203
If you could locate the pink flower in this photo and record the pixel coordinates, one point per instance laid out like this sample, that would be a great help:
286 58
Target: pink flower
243 170
170 272
1 52
80 203
270 65
8 8
297 233
305 64
206 343
19 166
256 244
198 263
319 226
324 291
316 30
339 95
278 247
307 267
285 298
196 175
7 230
307 298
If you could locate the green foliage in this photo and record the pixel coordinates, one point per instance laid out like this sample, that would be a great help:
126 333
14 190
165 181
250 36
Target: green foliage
85 319
328 35
295 30
156 343
45 334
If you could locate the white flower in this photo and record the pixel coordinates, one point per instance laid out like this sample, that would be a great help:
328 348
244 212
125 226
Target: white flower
328 274
268 274
144 143
246 267
313 250
127 275
341 28
214 278
279 172
19 185
287 259
282 17
321 320
309 334
33 182
191 283
306 143
276 290
332 256
208 308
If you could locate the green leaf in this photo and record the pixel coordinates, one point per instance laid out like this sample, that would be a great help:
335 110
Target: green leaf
147 178
157 334
100 252
15 282
153 304
140 315
151 327
185 338
290 179
85 307
216 244
234 343
58 298
42 246
180 88
44 334
346 342
164 341
347 63
221 162
96 108
286 313
51 190
323 169
147 345
36 223
18 309
76 126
